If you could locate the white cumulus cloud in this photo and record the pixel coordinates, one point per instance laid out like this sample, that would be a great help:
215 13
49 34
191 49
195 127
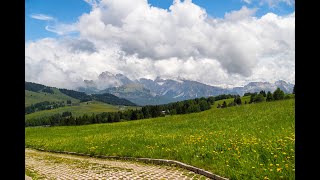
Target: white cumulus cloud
139 40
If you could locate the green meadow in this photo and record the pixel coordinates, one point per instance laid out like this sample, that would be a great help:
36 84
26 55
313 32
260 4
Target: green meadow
78 110
243 100
252 141
36 97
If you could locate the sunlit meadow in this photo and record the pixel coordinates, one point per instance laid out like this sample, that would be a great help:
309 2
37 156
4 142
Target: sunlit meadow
252 141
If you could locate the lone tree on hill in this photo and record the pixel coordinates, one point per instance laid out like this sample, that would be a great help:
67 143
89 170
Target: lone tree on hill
224 104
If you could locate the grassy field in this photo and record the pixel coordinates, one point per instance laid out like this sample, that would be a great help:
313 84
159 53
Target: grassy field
83 108
253 141
36 97
243 99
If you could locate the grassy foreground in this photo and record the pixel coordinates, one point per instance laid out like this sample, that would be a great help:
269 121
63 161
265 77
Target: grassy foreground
254 141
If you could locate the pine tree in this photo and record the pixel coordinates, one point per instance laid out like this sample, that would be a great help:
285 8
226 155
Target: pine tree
278 94
237 100
204 105
263 93
269 96
224 104
259 98
294 89
116 117
252 98
211 100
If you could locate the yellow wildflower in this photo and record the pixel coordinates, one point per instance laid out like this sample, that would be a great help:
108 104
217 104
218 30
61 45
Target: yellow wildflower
279 169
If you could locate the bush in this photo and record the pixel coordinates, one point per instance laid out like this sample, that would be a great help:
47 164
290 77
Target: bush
257 98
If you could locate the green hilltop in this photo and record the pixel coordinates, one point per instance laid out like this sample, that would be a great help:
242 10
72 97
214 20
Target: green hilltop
36 97
78 103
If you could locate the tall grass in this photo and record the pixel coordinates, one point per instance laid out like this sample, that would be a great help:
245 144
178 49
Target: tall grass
253 141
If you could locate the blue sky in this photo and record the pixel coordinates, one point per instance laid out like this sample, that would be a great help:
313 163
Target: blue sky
68 11
65 11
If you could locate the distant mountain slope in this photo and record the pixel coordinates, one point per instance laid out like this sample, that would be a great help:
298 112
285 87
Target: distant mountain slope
38 95
266 86
34 87
183 89
138 94
83 97
112 99
161 91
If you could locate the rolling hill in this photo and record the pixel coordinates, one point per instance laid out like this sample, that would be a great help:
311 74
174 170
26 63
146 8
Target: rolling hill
80 109
80 103
36 97
35 93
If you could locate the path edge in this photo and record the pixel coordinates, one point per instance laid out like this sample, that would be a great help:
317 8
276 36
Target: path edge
145 160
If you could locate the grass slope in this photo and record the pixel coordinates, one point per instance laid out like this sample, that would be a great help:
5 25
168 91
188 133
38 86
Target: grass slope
36 97
243 99
83 108
254 141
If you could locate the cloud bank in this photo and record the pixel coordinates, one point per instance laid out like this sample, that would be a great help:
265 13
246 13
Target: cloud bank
138 40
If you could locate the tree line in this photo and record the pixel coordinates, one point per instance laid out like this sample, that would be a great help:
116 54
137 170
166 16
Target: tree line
37 87
150 111
112 99
236 101
278 94
106 97
43 106
33 86
83 97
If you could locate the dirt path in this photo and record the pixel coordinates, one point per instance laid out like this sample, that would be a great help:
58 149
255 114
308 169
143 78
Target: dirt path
44 165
